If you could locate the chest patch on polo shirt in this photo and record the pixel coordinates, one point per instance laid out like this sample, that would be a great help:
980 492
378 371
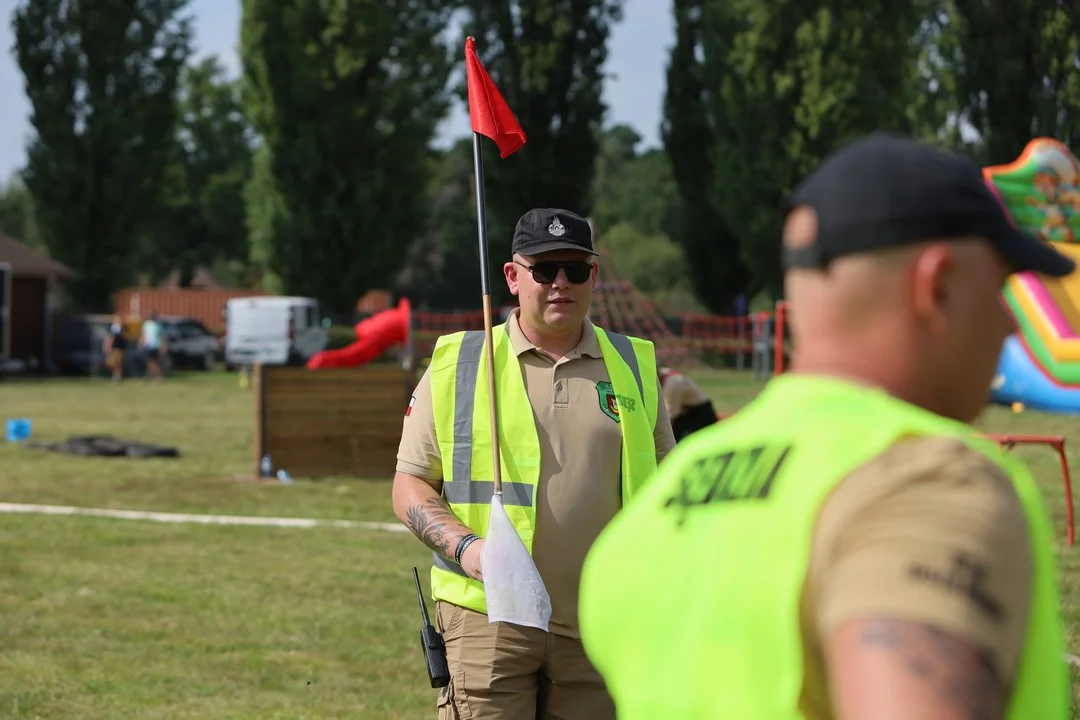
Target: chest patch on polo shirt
610 403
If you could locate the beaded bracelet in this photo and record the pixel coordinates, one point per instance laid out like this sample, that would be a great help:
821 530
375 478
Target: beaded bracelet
465 542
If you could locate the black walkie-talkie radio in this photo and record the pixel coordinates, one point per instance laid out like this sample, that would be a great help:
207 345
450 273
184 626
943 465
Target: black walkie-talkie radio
432 640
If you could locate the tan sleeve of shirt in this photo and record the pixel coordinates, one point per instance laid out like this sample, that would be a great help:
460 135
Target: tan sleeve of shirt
674 394
663 434
930 531
418 451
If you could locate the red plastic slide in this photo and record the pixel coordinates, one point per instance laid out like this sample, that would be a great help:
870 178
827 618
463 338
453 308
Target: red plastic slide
373 335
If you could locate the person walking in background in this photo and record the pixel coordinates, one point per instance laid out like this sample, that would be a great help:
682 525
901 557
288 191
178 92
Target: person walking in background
582 428
152 345
689 408
114 348
847 546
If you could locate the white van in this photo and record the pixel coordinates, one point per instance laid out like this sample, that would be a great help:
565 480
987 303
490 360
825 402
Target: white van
273 330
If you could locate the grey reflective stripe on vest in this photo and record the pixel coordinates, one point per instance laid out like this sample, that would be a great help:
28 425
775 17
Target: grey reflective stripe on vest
625 348
468 366
481 491
462 489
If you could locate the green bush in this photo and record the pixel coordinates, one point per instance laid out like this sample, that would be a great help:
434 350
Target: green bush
338 336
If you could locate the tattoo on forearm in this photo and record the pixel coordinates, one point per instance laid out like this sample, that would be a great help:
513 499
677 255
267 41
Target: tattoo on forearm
963 676
433 522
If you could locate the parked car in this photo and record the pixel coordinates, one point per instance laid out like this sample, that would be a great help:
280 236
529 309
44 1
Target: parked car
189 344
81 340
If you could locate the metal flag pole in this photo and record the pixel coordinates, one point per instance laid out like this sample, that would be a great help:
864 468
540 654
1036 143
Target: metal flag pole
513 588
485 288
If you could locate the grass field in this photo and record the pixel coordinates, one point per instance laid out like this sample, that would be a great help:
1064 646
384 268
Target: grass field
108 618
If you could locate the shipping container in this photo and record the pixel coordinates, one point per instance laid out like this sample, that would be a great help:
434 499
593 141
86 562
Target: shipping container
206 306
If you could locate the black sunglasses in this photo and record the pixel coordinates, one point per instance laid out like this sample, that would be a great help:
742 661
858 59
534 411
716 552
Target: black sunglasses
577 271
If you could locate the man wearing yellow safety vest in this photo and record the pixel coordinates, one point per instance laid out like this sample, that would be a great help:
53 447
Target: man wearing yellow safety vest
582 426
847 546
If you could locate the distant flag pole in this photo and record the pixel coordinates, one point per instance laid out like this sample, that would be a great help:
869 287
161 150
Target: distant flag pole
513 589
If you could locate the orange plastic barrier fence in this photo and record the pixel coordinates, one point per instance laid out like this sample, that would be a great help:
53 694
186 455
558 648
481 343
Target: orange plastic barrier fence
779 336
699 332
718 333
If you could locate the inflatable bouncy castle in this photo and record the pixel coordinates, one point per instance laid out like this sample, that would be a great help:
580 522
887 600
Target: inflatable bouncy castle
374 335
1040 364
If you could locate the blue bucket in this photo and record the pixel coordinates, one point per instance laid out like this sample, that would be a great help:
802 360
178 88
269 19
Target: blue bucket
18 429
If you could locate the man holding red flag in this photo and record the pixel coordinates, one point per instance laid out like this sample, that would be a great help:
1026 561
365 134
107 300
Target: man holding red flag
579 425
582 426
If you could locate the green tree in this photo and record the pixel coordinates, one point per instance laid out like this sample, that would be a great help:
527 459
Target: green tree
637 209
617 150
547 58
632 187
203 220
934 106
783 84
653 263
346 96
712 249
1013 65
101 79
17 216
264 207
443 270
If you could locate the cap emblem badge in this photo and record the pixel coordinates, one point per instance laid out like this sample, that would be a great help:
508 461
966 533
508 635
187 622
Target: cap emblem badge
556 228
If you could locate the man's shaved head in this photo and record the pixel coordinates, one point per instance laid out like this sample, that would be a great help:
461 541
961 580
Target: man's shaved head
850 293
919 319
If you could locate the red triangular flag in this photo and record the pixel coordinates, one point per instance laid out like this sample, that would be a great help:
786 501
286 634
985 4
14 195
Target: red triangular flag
490 114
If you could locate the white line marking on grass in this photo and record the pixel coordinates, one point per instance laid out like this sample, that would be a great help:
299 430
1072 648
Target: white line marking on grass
166 517
25 509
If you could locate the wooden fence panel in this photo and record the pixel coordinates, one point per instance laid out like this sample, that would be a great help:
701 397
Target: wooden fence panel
334 421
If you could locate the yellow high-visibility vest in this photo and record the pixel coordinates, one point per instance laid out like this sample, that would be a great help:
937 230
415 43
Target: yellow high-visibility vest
459 398
690 598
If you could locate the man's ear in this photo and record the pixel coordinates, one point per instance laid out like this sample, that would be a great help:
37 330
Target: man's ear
510 271
933 286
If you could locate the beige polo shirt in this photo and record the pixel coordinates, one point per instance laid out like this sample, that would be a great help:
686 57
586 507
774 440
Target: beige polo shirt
579 490
930 531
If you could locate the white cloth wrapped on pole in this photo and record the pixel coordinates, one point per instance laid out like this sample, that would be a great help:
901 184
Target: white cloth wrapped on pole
514 590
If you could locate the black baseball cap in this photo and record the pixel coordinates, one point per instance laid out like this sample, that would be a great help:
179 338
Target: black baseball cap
885 190
545 229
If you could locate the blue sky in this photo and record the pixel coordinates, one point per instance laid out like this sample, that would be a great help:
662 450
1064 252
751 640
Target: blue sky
637 59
